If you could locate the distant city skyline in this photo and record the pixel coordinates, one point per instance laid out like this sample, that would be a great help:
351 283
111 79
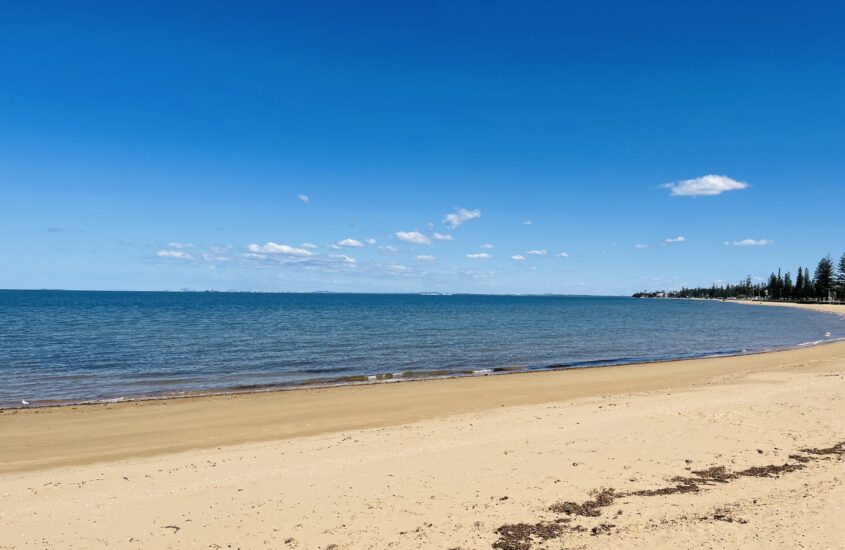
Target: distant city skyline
472 147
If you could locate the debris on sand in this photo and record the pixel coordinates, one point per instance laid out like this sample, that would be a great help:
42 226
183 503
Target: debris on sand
521 536
588 508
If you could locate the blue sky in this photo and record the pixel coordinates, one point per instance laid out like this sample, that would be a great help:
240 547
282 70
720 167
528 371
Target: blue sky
156 146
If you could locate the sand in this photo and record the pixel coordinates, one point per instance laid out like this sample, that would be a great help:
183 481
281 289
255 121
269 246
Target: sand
503 462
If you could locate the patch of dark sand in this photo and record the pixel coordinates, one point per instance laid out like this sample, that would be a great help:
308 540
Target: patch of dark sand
588 508
520 536
838 449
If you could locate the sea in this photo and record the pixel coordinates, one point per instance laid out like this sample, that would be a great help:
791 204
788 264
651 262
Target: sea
64 347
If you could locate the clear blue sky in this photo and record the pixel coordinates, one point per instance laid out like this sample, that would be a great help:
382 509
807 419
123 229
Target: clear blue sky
158 146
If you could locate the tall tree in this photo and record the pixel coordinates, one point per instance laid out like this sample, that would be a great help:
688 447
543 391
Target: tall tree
840 277
824 278
808 284
799 285
772 287
787 286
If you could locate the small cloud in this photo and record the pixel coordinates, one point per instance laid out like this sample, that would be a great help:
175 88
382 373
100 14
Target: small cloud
350 243
425 258
527 222
178 254
304 198
389 250
442 237
487 246
55 230
479 256
460 216
639 246
273 248
708 185
396 269
542 252
750 242
561 255
343 258
518 257
370 241
308 245
254 256
673 240
412 237
180 246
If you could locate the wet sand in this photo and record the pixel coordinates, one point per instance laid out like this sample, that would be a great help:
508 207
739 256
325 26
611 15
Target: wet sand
720 452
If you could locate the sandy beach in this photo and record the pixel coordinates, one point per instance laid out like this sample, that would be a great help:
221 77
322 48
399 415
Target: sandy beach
711 453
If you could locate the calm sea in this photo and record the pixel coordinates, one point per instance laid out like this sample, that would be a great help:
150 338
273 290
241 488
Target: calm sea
60 346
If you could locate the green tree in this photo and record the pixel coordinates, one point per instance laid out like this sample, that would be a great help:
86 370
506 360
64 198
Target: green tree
787 286
840 277
798 293
824 278
807 292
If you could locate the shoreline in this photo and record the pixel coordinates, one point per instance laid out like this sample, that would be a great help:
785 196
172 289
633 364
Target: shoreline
406 377
48 437
728 452
423 376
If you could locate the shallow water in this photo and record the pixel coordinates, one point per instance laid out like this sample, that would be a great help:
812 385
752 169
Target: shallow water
61 346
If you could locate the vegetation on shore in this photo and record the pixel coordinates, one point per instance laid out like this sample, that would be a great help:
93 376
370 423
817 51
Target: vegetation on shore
826 284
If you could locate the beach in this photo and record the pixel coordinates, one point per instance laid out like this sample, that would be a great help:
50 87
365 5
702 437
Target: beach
743 451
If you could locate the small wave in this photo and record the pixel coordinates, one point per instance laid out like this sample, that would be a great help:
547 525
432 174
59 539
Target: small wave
482 372
813 343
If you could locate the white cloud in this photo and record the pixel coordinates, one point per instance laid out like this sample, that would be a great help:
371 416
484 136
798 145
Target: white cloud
371 241
641 246
750 242
460 216
396 269
673 240
518 257
527 222
343 258
350 243
562 255
254 256
303 198
487 246
413 237
708 185
479 256
442 237
389 250
174 254
542 252
308 245
425 258
180 245
273 248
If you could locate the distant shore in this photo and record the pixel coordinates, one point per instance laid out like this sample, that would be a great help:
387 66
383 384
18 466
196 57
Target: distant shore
455 463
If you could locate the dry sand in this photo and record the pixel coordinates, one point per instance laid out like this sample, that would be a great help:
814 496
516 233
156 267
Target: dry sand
507 462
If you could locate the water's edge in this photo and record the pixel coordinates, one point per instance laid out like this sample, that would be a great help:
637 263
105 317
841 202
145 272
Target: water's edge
414 376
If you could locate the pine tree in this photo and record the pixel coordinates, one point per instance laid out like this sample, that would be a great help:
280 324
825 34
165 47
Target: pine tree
808 284
787 286
799 285
824 278
840 278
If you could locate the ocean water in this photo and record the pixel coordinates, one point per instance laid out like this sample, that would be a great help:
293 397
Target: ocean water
62 346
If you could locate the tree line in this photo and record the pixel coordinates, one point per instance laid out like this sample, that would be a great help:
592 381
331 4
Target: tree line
826 283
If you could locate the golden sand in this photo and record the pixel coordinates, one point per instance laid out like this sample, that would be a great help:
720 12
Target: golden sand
458 463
